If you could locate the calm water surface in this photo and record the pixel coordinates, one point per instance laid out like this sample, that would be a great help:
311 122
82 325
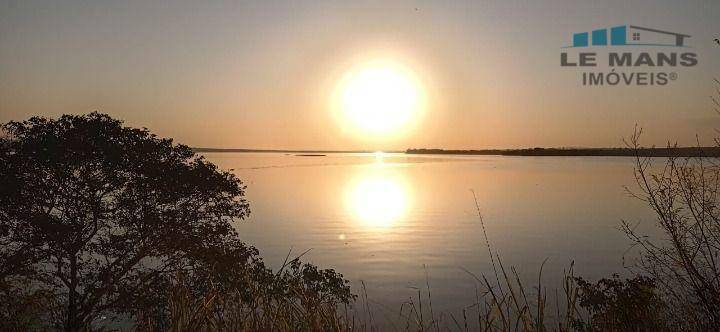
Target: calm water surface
381 219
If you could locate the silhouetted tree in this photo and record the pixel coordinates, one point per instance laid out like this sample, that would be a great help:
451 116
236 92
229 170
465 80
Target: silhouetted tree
684 194
102 217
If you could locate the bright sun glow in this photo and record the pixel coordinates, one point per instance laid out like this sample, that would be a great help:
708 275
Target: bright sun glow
379 98
377 200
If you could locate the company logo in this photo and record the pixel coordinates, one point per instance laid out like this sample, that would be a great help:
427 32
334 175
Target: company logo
629 35
646 62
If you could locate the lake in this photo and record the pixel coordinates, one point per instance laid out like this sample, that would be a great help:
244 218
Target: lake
397 221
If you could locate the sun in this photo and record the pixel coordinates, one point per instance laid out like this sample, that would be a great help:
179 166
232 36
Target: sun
379 98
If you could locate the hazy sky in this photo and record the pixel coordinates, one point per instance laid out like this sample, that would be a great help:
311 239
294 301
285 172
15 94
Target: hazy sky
260 74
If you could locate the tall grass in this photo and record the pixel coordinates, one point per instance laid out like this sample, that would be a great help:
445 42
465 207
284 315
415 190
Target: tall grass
503 304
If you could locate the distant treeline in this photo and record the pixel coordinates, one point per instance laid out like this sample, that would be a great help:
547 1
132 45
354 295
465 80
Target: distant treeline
609 152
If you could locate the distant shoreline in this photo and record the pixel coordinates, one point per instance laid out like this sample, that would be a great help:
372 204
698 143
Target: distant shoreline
582 152
550 152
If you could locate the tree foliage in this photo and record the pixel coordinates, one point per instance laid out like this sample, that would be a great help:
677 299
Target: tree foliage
99 219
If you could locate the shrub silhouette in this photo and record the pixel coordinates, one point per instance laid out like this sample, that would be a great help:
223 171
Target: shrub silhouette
614 304
98 219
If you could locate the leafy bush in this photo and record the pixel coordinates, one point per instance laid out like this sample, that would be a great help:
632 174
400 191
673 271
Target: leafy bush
620 305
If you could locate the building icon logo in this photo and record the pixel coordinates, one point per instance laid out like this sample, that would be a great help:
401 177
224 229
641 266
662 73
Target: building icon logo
628 35
654 61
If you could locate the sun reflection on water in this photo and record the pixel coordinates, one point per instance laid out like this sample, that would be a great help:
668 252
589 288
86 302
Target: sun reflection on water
378 197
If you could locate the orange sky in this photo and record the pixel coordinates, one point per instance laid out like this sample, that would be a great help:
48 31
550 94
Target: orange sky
261 75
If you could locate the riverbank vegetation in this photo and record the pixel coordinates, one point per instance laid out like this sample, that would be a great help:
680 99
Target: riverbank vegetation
101 222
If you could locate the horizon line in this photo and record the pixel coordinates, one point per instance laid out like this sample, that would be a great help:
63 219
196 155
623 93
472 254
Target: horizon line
268 150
